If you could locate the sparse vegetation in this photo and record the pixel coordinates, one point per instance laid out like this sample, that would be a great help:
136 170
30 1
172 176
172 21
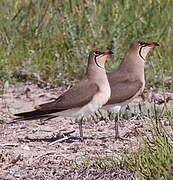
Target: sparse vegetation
51 39
154 159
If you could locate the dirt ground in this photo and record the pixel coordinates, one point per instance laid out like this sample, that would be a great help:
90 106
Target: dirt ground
51 149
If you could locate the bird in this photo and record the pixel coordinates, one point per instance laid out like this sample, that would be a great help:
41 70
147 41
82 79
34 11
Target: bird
82 99
127 81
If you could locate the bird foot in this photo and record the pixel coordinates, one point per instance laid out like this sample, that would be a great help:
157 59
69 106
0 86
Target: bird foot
118 138
81 139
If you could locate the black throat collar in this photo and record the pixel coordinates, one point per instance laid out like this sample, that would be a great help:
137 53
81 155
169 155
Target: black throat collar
140 51
97 63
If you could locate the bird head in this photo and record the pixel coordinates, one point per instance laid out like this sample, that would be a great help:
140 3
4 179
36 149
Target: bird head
143 46
98 57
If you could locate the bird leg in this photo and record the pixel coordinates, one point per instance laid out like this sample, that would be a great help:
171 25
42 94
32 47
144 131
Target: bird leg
80 128
117 135
117 118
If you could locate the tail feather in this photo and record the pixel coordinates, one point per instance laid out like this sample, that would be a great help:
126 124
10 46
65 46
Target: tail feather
36 114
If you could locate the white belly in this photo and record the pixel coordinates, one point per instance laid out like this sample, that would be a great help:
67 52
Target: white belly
79 112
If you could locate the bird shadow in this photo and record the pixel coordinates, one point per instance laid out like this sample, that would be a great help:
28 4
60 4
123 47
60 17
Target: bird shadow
65 137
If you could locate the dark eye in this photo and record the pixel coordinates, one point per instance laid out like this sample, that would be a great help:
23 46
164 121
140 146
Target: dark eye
97 53
142 43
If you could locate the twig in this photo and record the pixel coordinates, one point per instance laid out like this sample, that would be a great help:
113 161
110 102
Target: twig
59 140
9 144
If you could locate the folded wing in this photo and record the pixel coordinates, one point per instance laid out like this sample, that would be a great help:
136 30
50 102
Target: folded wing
75 97
124 90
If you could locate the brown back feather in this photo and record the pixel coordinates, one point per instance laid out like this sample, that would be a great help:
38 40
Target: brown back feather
76 96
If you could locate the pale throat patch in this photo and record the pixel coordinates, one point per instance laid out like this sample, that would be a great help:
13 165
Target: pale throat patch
101 60
144 52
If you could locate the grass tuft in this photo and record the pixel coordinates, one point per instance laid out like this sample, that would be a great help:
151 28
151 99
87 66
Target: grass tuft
53 38
154 160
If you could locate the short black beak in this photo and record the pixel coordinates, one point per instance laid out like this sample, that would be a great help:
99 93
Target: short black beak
107 52
156 43
110 52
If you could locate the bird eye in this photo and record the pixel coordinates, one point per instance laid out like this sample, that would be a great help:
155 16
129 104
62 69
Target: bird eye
142 43
97 53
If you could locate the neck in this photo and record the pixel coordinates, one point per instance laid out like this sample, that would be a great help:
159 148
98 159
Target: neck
132 64
95 72
134 58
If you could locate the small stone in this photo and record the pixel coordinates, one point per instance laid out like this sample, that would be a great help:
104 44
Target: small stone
25 147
